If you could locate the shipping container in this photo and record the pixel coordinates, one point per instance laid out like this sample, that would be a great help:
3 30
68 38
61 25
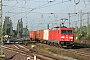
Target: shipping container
39 34
32 34
46 35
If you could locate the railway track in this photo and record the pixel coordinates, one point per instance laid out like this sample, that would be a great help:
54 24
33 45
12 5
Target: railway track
76 51
32 52
79 53
44 56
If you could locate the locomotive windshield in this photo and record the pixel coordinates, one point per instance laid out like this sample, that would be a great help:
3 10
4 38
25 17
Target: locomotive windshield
66 31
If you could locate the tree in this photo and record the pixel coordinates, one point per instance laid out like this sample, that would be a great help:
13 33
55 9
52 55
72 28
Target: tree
19 27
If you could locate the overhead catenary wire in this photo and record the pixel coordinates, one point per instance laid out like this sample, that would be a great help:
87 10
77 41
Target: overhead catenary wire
27 13
34 9
36 0
39 6
43 6
17 7
85 7
13 6
27 8
85 2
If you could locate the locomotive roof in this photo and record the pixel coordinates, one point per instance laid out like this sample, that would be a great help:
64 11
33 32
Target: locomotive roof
65 28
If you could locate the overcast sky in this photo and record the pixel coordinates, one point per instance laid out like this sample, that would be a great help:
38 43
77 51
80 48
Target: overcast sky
37 13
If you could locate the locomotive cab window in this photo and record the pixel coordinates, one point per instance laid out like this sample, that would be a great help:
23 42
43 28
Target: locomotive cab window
66 31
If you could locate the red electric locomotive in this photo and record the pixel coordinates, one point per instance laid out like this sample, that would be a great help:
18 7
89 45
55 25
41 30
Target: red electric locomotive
62 36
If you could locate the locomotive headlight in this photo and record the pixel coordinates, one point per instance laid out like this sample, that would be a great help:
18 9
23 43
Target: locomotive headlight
71 37
62 37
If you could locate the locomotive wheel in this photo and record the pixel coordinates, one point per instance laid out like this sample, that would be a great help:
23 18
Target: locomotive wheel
60 45
56 45
48 43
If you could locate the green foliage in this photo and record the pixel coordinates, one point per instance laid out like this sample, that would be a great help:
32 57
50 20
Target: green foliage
19 27
83 32
18 35
87 37
47 49
8 28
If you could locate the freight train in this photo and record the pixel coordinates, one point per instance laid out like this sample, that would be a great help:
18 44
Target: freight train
62 36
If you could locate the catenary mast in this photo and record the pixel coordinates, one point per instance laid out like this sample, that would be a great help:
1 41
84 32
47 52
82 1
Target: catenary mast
1 32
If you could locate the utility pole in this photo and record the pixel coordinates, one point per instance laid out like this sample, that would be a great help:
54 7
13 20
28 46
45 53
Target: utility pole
69 17
80 21
76 27
87 23
1 27
47 26
1 34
